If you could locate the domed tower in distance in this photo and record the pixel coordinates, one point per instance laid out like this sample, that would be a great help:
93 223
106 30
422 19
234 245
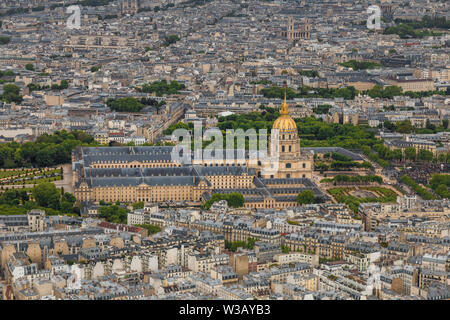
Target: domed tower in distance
292 162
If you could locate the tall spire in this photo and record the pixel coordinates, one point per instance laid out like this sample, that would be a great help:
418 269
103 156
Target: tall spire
285 107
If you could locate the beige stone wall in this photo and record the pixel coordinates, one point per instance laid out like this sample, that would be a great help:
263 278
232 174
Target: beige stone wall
7 251
35 253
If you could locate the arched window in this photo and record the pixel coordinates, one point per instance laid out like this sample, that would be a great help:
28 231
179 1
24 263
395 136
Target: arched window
288 165
282 148
288 175
304 165
290 148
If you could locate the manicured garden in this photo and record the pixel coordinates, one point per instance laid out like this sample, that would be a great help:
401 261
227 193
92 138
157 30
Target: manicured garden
372 194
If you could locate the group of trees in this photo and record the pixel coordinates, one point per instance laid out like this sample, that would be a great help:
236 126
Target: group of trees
412 29
4 40
62 86
130 104
161 88
47 195
7 73
232 246
406 126
171 39
383 155
178 125
11 93
48 150
44 196
360 65
440 183
113 213
417 188
346 165
390 92
322 109
427 22
307 197
234 200
127 104
348 93
386 93
14 197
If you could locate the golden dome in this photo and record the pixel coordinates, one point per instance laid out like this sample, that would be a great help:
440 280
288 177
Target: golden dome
285 123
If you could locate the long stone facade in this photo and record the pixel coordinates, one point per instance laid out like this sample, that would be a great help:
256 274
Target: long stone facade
149 174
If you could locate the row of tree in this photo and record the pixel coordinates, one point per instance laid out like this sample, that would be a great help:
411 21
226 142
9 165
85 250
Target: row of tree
161 88
62 86
422 192
47 151
348 93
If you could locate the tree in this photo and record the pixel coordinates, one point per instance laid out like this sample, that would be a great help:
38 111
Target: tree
114 214
47 195
404 126
389 125
306 197
445 123
410 153
138 205
430 126
171 39
234 200
127 104
397 154
29 67
425 155
4 40
11 93
443 191
285 249
68 197
66 207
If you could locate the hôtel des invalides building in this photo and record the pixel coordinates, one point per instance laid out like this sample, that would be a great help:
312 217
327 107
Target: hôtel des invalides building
131 174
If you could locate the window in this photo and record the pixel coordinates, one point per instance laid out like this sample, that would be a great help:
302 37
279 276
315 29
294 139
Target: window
288 165
282 148
304 165
290 148
288 175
